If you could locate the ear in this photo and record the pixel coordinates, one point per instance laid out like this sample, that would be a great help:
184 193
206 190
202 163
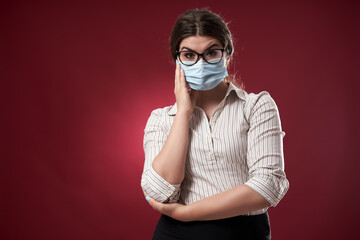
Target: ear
227 61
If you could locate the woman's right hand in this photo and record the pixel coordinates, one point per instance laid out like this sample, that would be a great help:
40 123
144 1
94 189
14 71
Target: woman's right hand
185 98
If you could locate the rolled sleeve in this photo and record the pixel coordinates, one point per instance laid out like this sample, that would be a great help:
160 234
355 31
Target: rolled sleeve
158 188
265 158
151 182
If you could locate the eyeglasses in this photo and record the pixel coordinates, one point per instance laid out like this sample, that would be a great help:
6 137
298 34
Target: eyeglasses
211 56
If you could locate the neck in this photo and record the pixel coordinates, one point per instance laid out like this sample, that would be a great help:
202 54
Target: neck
213 96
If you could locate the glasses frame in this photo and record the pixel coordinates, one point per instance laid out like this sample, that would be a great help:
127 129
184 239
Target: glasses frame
200 55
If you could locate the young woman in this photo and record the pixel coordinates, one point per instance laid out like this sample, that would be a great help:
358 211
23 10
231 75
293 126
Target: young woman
214 160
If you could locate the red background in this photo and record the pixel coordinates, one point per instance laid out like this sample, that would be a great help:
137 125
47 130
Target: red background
79 80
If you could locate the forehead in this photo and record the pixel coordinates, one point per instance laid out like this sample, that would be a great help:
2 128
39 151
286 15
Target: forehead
199 43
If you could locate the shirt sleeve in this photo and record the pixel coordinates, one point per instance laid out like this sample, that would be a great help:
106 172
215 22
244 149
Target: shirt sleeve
265 156
151 182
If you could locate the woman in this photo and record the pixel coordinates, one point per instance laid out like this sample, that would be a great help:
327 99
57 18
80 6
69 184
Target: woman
213 160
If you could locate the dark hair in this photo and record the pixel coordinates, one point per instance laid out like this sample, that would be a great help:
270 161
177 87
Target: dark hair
200 22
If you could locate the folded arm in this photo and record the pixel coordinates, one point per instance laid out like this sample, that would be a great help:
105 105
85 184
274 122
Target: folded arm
165 156
166 150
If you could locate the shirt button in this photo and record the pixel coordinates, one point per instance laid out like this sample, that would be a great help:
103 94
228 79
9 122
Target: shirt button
209 133
211 153
169 192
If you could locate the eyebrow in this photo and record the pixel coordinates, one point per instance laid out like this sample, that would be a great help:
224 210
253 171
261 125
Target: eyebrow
211 46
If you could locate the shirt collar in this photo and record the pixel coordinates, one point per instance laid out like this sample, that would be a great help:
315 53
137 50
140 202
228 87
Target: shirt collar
239 92
173 110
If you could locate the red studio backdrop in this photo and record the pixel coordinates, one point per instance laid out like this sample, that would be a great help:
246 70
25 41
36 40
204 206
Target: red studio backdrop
80 78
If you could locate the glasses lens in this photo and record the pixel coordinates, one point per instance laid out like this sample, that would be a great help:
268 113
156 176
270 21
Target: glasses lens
213 55
188 58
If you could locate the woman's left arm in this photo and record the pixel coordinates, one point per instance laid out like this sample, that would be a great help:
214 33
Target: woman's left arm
233 202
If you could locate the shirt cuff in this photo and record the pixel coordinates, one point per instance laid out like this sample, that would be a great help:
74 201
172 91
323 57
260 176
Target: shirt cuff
272 194
158 188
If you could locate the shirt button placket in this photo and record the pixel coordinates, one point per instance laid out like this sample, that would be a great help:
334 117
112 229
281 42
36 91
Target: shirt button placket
211 147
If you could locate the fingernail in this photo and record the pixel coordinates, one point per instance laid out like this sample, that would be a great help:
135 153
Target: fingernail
147 198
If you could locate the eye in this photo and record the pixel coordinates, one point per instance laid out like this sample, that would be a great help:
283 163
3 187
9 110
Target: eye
189 55
212 53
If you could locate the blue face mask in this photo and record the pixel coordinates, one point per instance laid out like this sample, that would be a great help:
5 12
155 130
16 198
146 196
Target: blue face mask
204 76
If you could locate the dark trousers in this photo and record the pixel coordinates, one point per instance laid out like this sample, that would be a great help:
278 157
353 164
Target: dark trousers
240 227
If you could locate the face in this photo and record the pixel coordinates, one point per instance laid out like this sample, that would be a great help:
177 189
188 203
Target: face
200 44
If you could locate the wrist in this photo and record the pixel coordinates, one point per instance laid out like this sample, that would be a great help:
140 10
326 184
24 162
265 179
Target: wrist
184 113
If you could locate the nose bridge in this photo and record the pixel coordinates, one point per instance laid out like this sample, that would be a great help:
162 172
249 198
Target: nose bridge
200 55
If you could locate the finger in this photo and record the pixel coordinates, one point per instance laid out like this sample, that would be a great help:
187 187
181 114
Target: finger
154 204
182 78
151 201
177 72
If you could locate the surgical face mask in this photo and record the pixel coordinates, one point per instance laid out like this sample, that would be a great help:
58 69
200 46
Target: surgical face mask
204 76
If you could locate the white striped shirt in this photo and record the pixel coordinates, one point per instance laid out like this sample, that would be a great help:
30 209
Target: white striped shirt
240 144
